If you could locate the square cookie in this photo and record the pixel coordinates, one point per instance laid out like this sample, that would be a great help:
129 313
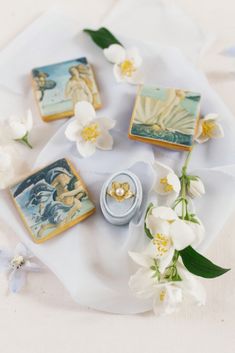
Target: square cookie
52 200
58 87
165 116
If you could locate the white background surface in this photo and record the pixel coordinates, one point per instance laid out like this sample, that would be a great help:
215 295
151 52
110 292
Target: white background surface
44 319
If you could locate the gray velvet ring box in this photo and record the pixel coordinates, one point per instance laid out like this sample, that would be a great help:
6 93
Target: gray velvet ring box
121 197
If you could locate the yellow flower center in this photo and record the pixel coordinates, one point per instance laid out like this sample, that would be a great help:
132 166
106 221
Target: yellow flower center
207 128
167 187
162 295
127 68
90 132
162 243
17 261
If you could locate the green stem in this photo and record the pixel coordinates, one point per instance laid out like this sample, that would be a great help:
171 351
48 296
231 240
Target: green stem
182 198
186 162
183 193
175 257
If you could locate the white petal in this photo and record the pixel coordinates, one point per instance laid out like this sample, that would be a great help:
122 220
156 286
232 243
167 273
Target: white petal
72 130
29 121
17 130
199 129
181 234
141 259
17 280
85 112
211 116
115 53
21 250
104 141
134 55
218 131
137 78
30 266
117 73
105 123
173 180
170 303
150 250
161 169
157 225
165 260
5 160
142 283
174 294
201 139
191 286
86 149
164 213
199 231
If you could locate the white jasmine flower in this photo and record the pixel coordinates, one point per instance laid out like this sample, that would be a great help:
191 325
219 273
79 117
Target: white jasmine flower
198 230
6 167
167 296
16 264
88 131
167 182
127 63
208 128
195 188
192 288
169 233
195 223
20 126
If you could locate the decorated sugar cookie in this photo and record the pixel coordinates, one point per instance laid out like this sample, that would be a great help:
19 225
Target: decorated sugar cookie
58 87
52 200
165 116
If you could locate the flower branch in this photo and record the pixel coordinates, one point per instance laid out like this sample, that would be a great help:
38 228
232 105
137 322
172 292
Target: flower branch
169 263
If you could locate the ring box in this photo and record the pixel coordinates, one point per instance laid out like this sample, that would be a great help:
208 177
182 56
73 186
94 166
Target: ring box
119 207
167 117
58 87
52 200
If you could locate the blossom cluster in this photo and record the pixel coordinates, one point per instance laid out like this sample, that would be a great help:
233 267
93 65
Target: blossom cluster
169 262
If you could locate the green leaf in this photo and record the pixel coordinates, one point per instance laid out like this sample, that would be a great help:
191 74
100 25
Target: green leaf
102 37
200 265
147 231
194 220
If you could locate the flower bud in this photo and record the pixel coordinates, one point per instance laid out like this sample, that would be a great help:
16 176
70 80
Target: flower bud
195 187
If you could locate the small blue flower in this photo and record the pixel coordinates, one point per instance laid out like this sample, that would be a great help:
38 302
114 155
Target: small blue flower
16 264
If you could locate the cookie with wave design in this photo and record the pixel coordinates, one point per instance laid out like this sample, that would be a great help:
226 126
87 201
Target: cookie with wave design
52 200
